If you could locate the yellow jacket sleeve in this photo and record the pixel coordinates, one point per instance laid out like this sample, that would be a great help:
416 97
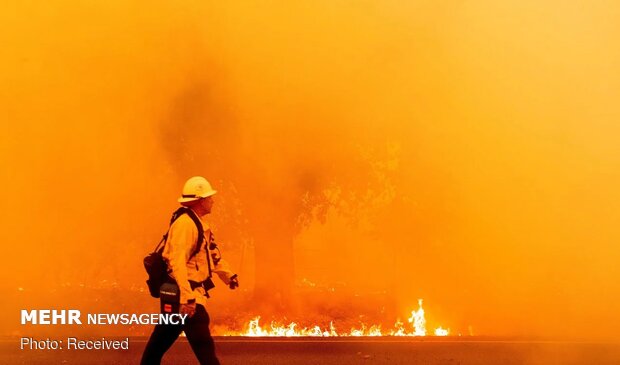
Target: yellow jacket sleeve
181 243
223 271
221 267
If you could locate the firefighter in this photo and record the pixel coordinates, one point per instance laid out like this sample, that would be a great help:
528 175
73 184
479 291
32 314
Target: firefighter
192 275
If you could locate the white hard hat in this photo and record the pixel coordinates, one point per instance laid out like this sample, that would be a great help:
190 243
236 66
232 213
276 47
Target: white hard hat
195 188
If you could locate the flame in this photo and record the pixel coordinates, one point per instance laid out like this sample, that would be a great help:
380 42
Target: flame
417 328
418 320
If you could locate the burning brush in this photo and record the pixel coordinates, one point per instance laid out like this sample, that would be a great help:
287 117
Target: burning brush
417 327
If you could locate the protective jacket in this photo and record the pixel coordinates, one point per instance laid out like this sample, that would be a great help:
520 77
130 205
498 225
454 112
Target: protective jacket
181 243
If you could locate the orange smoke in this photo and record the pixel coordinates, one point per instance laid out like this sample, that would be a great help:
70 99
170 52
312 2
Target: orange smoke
463 153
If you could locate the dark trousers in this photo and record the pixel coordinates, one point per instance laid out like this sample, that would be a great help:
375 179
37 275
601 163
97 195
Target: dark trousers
197 332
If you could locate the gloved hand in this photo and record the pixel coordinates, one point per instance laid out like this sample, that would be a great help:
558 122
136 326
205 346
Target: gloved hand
234 282
188 308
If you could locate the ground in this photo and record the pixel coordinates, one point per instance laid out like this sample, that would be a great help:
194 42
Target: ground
340 351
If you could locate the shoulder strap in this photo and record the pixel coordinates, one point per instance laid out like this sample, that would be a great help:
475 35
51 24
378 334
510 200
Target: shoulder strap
201 233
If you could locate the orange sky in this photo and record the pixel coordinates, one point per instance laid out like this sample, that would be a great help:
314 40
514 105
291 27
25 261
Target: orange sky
464 153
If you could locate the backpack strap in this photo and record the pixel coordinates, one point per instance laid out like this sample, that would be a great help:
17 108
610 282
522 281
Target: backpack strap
201 233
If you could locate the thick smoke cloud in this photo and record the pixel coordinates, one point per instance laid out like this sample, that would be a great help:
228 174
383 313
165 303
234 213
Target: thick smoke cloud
464 153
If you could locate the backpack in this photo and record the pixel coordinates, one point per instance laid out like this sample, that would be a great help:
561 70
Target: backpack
154 263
